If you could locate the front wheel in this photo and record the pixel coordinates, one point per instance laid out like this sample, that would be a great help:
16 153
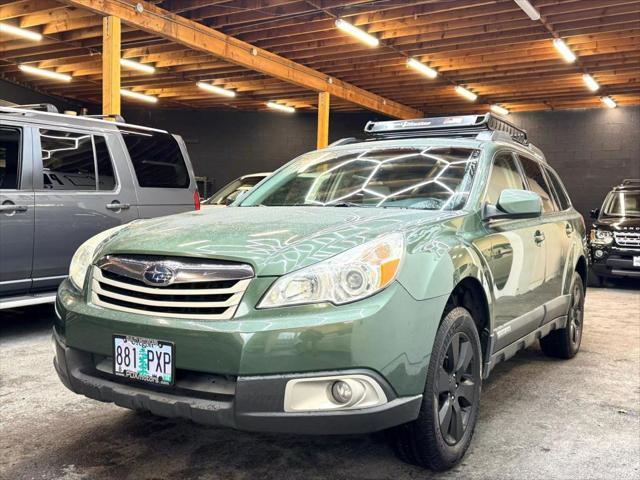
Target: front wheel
565 342
440 436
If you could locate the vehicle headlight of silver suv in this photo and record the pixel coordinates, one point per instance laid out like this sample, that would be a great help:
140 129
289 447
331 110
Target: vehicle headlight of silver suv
349 276
83 257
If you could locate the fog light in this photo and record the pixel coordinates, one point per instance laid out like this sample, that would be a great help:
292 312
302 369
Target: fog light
337 392
341 392
599 253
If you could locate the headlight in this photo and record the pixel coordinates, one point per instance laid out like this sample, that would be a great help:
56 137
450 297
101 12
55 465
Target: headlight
352 275
84 256
601 237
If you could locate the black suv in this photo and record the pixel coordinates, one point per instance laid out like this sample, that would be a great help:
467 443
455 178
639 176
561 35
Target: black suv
615 235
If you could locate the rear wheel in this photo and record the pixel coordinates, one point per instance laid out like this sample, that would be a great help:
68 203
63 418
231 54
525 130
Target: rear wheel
565 342
440 436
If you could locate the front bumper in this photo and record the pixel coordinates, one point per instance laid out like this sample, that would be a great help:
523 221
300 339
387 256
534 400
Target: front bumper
252 403
611 261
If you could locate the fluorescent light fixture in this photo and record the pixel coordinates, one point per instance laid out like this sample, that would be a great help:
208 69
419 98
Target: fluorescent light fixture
45 73
529 9
20 32
609 102
564 50
138 96
499 110
141 67
468 94
282 108
217 90
357 32
422 68
591 82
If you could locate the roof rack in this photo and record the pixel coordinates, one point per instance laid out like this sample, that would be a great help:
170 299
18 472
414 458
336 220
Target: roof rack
630 181
457 126
43 107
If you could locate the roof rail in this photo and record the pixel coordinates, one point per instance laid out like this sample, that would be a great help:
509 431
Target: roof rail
344 141
111 116
44 107
457 126
630 181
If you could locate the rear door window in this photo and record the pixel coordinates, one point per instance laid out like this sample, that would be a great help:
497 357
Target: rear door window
538 184
68 162
9 158
75 161
156 158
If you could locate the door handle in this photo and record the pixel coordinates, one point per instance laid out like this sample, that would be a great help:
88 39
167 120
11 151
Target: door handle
116 206
569 229
538 237
12 208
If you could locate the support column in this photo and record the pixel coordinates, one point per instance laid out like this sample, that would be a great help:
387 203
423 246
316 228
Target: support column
111 33
324 99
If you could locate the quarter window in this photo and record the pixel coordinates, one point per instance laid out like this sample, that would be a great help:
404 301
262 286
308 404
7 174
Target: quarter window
561 193
106 175
538 184
9 158
504 175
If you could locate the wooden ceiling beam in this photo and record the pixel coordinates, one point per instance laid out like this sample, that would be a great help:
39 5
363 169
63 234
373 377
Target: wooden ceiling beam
161 22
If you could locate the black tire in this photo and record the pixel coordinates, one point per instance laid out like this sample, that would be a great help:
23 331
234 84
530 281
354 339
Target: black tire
565 342
425 442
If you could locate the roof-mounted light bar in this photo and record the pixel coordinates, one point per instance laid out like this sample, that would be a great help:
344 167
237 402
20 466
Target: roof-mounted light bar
458 126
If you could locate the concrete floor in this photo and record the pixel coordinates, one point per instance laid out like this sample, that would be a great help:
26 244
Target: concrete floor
540 418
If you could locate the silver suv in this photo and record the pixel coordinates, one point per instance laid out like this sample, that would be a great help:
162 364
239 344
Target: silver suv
65 178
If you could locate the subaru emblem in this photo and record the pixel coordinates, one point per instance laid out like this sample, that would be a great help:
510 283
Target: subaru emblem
158 275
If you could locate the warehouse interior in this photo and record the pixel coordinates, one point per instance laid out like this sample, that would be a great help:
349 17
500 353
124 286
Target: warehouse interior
246 86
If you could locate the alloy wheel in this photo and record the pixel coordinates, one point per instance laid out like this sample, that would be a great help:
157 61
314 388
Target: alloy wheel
456 388
576 313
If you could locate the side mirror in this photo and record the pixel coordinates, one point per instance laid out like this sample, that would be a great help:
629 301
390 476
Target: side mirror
514 204
595 213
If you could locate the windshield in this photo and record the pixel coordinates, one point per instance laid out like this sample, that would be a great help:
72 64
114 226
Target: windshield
433 178
230 191
622 204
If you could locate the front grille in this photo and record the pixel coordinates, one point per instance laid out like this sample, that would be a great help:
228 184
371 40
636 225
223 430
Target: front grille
627 239
202 290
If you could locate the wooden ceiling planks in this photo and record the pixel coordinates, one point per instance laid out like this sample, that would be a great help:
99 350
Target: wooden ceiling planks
489 46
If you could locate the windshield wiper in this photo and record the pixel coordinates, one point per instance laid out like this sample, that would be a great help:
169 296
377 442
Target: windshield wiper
345 204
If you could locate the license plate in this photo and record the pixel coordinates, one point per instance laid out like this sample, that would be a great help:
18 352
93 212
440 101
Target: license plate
636 261
144 359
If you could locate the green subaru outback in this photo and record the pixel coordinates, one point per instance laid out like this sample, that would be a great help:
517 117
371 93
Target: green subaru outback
367 286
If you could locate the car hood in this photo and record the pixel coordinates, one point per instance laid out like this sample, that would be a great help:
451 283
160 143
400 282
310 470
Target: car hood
274 240
618 223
